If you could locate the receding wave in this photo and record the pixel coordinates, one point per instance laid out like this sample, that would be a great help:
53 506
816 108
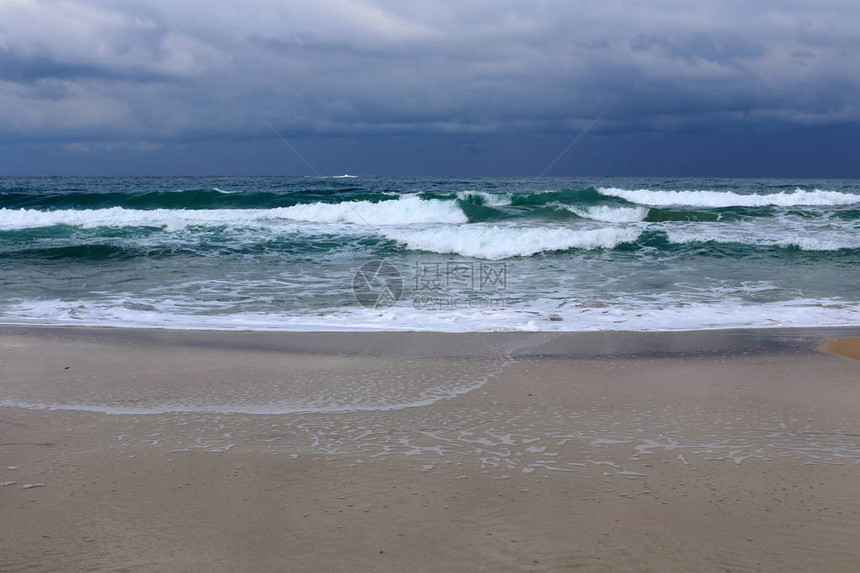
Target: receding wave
717 199
404 211
498 242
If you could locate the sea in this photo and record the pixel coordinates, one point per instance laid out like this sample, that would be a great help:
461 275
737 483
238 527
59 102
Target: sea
348 253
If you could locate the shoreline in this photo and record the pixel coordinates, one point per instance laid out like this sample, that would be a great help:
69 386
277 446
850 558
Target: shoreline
555 343
258 451
410 330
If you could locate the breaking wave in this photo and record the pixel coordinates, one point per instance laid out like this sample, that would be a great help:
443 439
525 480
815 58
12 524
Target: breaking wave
404 211
606 214
498 242
716 199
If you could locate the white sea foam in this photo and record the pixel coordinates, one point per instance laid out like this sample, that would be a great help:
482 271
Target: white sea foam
605 213
501 242
530 316
488 199
407 210
404 211
804 238
799 197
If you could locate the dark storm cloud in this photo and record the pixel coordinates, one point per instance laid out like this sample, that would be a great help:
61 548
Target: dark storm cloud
106 73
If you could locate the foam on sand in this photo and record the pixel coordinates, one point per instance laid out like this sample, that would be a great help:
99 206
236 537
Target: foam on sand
501 242
576 316
716 199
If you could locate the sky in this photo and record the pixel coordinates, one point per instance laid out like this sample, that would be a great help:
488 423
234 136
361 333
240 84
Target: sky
753 88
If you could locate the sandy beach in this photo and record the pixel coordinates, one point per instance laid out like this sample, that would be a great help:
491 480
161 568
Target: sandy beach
158 450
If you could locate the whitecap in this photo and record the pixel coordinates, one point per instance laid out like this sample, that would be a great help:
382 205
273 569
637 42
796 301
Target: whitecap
404 211
498 242
718 199
488 199
605 213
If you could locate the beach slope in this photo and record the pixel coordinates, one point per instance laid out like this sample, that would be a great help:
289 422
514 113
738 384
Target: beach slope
148 450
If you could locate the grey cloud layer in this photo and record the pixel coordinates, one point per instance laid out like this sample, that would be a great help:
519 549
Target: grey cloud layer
111 73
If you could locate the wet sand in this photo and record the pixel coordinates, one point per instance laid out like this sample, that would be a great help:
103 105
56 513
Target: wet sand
205 451
846 346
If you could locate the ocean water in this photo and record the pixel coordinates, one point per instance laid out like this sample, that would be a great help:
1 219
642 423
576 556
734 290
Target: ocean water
376 253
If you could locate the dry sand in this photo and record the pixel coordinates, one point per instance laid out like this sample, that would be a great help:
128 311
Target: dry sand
183 451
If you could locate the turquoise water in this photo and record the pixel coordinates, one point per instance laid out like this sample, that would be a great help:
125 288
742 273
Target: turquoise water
469 254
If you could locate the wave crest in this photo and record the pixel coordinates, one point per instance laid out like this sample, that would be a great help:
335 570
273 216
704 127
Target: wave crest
606 214
716 199
497 242
486 199
404 211
830 242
